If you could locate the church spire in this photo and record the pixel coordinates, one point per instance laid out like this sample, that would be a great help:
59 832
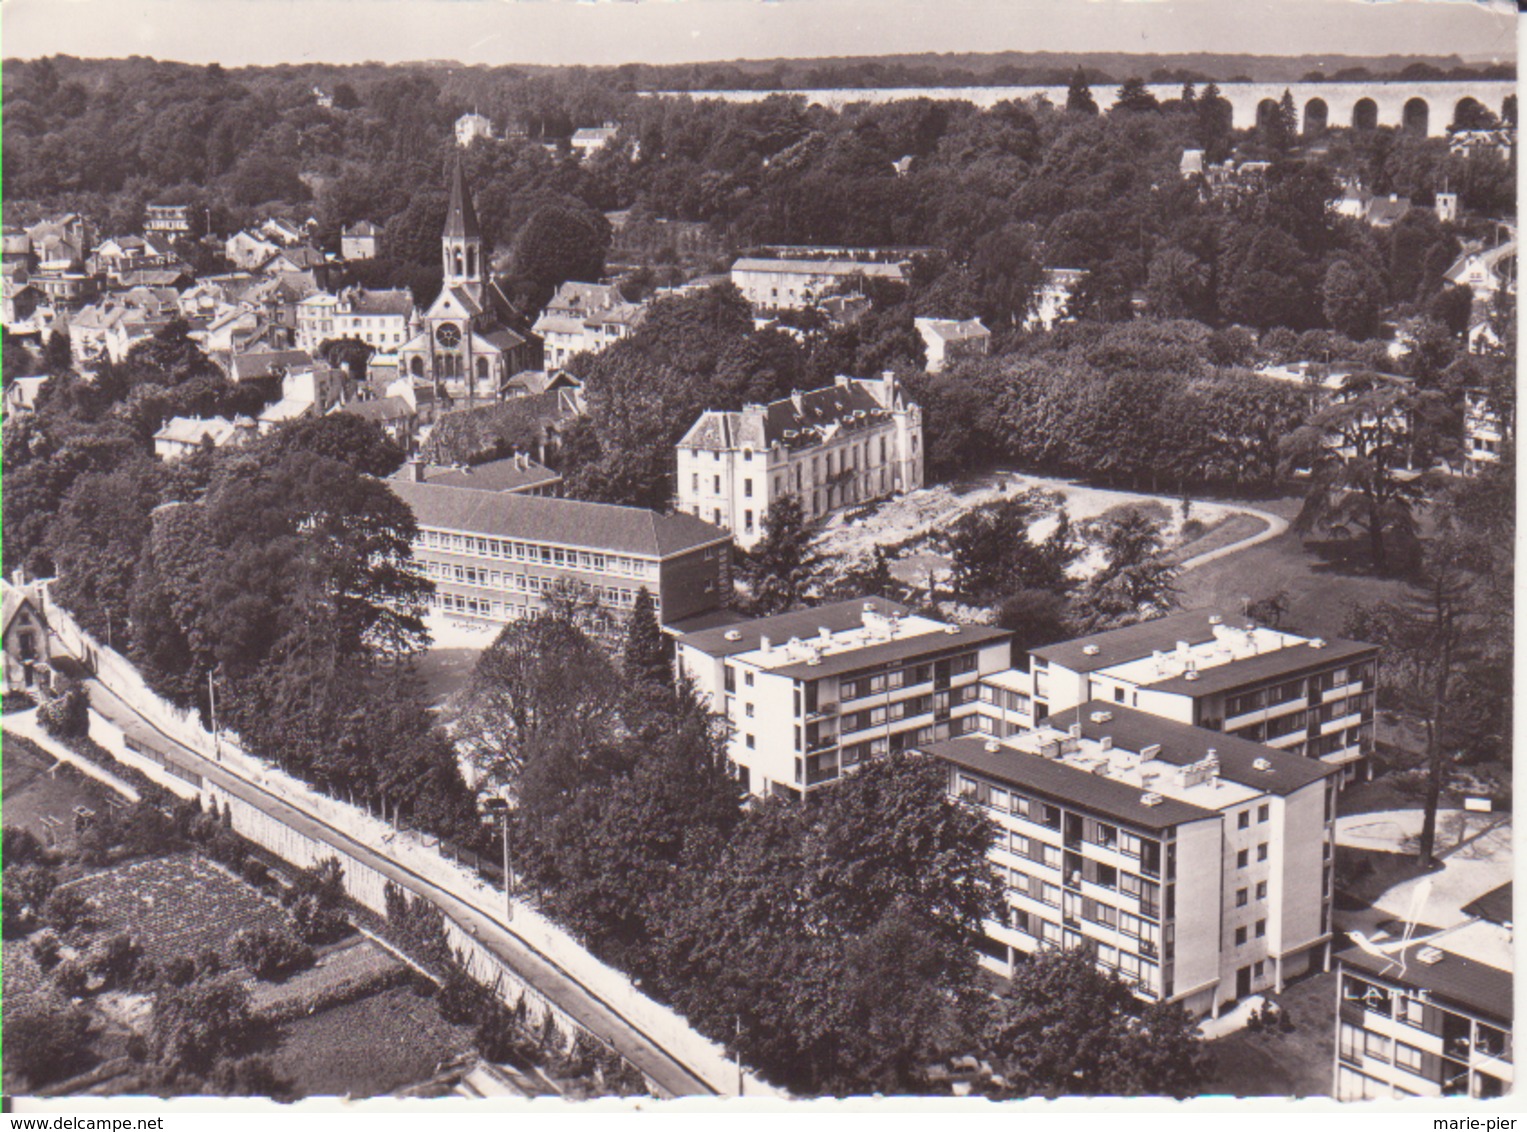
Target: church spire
461 220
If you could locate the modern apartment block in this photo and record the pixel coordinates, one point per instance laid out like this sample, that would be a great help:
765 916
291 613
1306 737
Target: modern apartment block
1431 1018
1484 431
1196 865
812 694
1303 695
850 443
494 551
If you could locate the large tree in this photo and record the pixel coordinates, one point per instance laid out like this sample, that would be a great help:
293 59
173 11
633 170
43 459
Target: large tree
780 567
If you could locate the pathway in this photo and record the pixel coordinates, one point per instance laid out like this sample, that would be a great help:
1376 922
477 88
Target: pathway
1275 527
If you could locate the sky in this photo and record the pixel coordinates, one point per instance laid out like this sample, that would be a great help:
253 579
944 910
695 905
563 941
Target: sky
595 32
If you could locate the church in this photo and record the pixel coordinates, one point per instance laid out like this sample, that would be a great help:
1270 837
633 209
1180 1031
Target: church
462 345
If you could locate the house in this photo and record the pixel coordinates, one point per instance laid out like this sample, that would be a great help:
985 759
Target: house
269 365
1466 143
393 414
28 642
775 284
62 242
1052 297
380 319
247 250
519 475
1309 696
1445 205
810 696
21 302
584 318
494 555
946 340
1195 866
182 436
470 127
1192 163
295 259
902 165
1485 271
1431 1017
591 139
362 240
64 289
22 393
282 231
831 448
16 250
1386 212
106 332
172 221
311 391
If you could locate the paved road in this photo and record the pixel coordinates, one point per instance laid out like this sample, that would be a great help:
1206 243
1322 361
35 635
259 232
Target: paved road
672 1077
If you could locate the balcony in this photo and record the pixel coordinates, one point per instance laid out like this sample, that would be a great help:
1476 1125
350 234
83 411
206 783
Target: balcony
822 743
822 711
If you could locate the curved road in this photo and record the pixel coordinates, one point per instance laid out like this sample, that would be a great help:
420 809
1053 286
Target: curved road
670 1075
1275 527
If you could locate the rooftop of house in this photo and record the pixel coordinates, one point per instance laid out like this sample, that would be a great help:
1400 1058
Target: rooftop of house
953 330
799 420
379 409
269 363
876 641
1387 210
286 409
193 430
514 473
362 229
564 522
396 302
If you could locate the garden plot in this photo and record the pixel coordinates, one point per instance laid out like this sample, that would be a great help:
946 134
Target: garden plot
342 973
177 906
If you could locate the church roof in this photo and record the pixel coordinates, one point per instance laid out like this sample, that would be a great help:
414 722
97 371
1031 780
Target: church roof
461 220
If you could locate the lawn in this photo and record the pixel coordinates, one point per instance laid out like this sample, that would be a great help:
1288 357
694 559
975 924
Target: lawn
370 1047
177 906
1275 1064
37 786
1228 531
1364 875
1319 588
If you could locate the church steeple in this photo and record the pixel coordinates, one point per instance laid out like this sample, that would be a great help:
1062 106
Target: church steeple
461 243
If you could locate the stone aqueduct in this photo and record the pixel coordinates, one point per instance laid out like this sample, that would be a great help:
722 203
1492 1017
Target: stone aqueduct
1424 107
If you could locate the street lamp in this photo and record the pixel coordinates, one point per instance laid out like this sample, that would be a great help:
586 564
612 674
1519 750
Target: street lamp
497 804
217 746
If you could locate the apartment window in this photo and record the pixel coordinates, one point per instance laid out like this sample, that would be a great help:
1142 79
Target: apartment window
747 521
751 742
1240 898
1262 851
1243 821
1407 1057
1118 695
1261 890
1242 858
1350 1043
748 710
1264 811
1240 935
1257 968
747 486
695 483
1261 928
718 484
747 678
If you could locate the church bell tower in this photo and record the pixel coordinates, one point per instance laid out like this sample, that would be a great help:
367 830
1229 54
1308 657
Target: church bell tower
461 244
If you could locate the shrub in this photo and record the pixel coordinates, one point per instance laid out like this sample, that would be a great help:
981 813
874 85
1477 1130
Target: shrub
208 962
499 1035
315 922
460 997
71 979
192 1027
45 949
180 971
66 910
113 960
20 847
271 954
25 891
255 872
246 1077
67 714
146 975
43 1045
16 701
1193 529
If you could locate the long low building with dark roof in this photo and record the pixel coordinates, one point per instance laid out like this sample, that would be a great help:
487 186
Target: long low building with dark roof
494 554
1196 866
846 444
1305 695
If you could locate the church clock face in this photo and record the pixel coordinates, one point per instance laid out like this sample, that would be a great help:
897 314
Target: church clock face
448 335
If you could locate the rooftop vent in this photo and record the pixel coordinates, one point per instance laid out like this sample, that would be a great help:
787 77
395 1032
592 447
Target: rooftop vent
1317 643
1105 743
1151 799
813 660
734 634
1261 764
1101 716
1430 956
951 629
1075 731
1190 674
869 607
1091 650
1150 750
1216 619
992 746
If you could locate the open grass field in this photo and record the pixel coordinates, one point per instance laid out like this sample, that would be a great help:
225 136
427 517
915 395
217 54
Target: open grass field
177 906
1297 1064
36 788
370 1047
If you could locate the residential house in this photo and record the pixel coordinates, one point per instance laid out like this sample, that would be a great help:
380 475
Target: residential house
494 555
28 642
591 139
1386 212
183 436
1429 1015
1053 296
393 414
311 391
946 340
22 392
378 318
172 221
584 318
282 231
21 302
247 250
852 442
1485 431
470 127
1485 271
1192 163
776 284
812 695
295 259
1195 866
106 332
1309 696
362 240
1466 143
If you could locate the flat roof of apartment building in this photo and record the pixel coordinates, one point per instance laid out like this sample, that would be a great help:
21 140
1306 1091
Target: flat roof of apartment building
513 473
1468 966
740 634
562 522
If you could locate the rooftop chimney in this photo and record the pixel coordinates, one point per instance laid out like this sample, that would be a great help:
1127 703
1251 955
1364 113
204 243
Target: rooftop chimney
765 645
416 470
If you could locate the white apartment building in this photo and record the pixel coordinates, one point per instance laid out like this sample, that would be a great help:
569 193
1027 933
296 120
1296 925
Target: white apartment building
1484 431
1303 695
1195 865
584 318
831 448
811 695
1431 1018
796 284
378 318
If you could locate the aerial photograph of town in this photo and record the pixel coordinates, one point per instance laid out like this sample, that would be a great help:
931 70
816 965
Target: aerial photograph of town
761 551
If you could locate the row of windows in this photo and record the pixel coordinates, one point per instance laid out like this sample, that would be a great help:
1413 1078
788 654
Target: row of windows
535 552
520 583
1006 699
961 665
1243 856
1049 815
1260 698
1051 934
